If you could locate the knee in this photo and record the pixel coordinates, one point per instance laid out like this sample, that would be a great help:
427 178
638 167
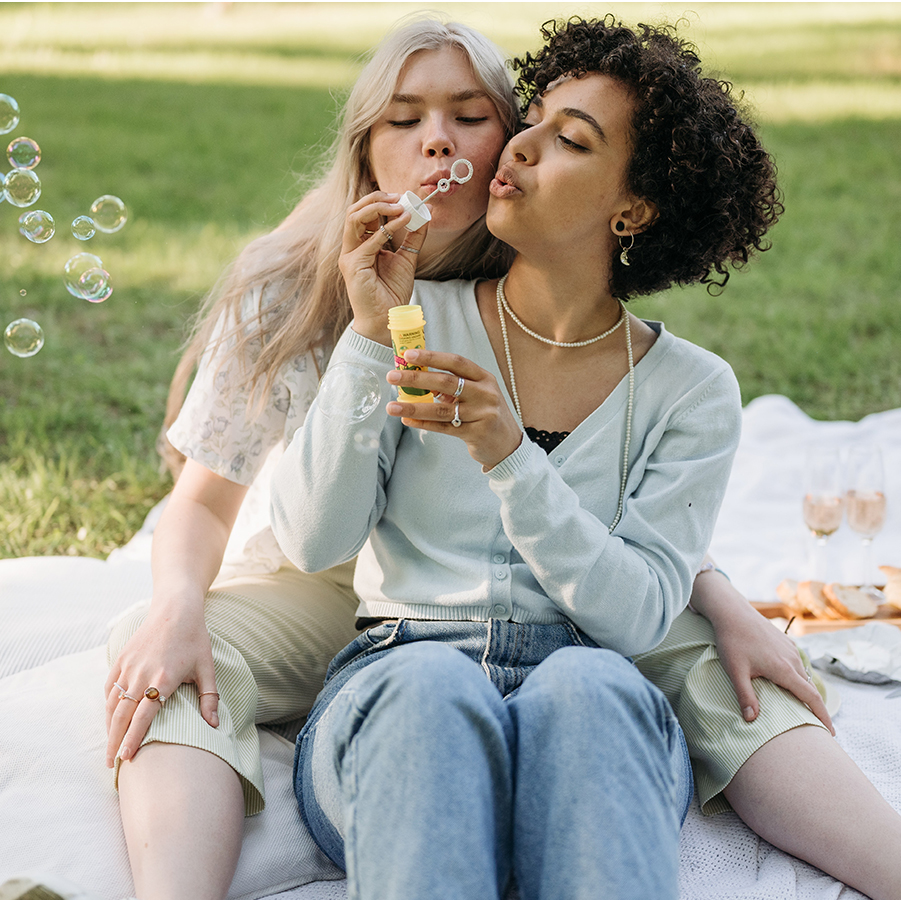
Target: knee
576 680
123 630
430 680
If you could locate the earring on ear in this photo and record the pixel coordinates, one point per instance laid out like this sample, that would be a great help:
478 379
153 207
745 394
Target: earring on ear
624 256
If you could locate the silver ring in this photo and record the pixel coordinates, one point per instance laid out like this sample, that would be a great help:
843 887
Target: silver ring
460 385
455 421
410 249
116 684
385 232
809 678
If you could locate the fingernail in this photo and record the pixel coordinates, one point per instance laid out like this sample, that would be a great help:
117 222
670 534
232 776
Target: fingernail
124 753
214 721
394 409
393 376
748 713
411 355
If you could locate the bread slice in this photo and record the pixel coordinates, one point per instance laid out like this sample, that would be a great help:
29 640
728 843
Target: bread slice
787 592
811 596
892 589
850 602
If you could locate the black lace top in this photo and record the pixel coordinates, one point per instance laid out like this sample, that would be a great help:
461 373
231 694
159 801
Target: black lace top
547 440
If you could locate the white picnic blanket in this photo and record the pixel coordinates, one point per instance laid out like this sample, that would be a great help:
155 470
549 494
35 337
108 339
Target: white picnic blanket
58 810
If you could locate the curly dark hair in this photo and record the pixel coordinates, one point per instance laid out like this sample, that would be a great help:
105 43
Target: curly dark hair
694 156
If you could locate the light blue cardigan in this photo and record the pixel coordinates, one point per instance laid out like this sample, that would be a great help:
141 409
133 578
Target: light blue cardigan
527 541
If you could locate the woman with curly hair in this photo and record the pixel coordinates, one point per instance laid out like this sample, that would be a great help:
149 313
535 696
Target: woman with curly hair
545 518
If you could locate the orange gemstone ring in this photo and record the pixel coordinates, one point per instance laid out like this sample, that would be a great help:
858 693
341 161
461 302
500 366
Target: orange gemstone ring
153 693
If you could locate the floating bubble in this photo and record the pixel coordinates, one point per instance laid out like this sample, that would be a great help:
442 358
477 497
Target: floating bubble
83 228
95 285
76 268
366 441
23 292
23 337
37 225
2 187
349 392
109 213
23 153
23 187
9 113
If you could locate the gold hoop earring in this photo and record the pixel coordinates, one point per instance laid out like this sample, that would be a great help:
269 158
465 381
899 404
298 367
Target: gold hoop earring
624 256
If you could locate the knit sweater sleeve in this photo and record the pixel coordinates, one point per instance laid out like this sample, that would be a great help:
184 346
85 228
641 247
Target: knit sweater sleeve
327 495
625 588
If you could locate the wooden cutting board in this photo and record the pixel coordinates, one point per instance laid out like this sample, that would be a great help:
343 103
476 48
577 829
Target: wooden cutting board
809 624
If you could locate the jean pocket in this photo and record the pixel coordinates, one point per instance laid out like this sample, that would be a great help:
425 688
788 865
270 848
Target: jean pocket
683 780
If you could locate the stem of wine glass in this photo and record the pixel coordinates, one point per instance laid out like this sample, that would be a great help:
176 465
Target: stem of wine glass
818 557
866 576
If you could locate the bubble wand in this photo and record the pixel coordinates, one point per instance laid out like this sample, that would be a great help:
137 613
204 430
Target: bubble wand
419 212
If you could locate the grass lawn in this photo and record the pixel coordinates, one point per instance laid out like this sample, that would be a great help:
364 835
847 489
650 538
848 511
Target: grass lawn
205 118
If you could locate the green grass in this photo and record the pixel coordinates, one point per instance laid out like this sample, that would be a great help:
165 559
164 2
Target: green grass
204 124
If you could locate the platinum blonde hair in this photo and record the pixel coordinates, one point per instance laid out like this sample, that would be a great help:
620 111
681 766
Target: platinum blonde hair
297 263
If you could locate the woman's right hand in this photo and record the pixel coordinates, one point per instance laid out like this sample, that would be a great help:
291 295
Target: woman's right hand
163 653
378 273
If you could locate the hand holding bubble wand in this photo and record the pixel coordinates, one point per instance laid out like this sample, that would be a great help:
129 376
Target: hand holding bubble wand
419 212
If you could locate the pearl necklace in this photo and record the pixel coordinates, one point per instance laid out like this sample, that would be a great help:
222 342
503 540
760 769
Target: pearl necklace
502 306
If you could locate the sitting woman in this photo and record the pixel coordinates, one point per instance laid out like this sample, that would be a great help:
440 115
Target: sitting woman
487 726
255 646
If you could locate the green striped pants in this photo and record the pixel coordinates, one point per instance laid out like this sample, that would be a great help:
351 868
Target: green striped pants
273 637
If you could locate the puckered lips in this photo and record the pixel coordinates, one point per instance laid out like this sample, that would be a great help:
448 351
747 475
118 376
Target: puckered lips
504 183
429 184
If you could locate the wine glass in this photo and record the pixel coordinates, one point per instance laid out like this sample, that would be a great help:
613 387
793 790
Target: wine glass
866 505
823 502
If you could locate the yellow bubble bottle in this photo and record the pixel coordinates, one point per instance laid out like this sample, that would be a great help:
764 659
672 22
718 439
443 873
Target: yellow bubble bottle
407 327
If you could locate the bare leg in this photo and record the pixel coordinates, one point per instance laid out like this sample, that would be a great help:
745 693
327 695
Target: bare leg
183 813
802 793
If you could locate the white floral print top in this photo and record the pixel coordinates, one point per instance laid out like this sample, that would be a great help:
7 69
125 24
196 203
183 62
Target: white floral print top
216 428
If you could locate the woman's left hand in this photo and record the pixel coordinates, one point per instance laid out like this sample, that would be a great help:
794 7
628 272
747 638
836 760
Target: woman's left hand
750 647
478 414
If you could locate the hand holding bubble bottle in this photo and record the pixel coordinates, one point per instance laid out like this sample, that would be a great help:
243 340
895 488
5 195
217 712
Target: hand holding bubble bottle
419 212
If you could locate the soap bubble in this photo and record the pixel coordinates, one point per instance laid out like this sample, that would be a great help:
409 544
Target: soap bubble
9 113
23 187
83 228
76 268
37 225
109 213
94 284
349 392
23 153
366 441
23 337
23 292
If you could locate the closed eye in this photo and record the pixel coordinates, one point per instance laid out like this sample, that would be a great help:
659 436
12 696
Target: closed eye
472 120
572 145
403 123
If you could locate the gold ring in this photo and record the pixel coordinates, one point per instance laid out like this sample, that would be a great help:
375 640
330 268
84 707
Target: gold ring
385 232
204 693
124 695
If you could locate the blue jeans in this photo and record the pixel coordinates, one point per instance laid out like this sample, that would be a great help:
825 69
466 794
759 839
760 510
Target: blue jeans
445 759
